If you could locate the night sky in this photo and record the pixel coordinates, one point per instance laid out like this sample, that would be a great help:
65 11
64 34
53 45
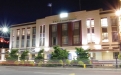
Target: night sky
21 11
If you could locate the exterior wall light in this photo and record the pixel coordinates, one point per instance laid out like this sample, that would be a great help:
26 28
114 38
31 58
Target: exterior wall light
63 15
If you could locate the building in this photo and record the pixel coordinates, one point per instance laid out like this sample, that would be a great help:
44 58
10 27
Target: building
97 30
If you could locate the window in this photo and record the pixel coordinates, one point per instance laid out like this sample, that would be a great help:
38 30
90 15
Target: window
43 28
76 25
54 41
34 30
93 37
114 37
104 37
28 42
104 30
28 31
92 23
115 54
64 40
114 29
76 39
33 56
18 32
88 23
40 29
33 42
54 28
23 31
64 26
114 20
104 22
22 43
17 43
90 30
41 42
89 38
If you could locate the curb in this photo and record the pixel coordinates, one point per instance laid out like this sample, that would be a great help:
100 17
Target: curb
64 68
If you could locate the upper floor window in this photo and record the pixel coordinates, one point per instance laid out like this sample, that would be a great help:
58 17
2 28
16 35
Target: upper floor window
28 31
18 32
34 30
64 26
23 31
76 25
54 28
43 28
104 22
114 20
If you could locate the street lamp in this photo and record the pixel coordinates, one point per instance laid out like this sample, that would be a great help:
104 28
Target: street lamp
4 29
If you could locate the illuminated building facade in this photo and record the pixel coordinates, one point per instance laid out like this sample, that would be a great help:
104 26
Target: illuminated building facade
96 30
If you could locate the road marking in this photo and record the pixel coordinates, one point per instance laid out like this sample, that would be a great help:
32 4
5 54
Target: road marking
72 74
48 73
54 73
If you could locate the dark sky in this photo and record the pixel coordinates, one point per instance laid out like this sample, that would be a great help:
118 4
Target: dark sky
20 11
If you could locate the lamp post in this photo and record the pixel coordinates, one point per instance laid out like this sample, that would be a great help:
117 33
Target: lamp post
116 56
4 30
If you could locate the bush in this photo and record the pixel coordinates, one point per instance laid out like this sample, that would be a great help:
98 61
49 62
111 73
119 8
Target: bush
22 63
120 65
61 62
54 63
67 62
31 63
40 63
16 63
80 64
74 62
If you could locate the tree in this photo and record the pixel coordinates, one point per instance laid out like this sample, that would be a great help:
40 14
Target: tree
59 53
39 56
82 55
12 56
24 55
119 56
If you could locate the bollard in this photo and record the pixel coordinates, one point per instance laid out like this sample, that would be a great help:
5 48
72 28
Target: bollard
84 65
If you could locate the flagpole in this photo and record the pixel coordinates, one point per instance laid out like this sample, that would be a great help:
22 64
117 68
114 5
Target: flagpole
51 10
80 4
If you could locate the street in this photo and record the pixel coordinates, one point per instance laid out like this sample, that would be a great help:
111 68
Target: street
55 71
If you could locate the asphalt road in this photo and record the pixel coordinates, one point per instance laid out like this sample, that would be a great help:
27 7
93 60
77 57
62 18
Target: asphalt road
56 71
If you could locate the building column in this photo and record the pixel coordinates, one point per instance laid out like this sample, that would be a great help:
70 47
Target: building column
2 54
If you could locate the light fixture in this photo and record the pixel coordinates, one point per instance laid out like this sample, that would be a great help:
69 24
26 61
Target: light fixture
4 29
118 12
63 15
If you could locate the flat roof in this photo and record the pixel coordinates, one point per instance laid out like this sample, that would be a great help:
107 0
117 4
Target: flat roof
22 24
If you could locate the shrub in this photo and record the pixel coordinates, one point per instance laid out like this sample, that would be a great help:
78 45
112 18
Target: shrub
74 62
40 63
67 62
31 63
16 63
120 65
80 63
22 62
61 62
